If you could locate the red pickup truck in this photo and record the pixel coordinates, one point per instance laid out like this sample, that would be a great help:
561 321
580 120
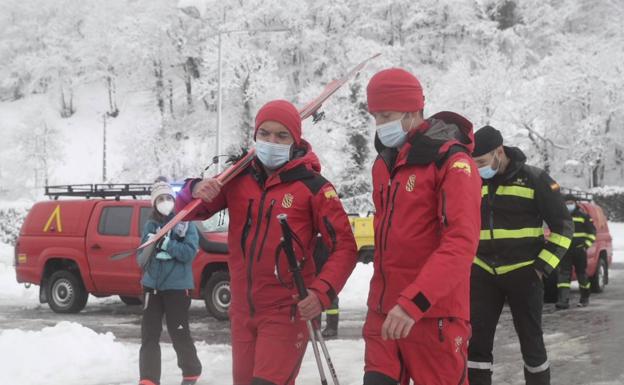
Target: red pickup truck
65 247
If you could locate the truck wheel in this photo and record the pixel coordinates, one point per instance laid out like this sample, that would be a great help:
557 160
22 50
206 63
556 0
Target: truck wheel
600 278
130 301
66 293
217 295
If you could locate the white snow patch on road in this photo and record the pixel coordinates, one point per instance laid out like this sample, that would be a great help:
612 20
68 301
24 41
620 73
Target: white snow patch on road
71 354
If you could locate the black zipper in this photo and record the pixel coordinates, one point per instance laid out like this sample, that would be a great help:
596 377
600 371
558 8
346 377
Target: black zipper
332 233
491 211
490 208
246 228
383 223
396 189
266 230
252 250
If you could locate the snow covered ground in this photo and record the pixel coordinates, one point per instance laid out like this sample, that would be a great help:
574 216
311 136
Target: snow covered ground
71 354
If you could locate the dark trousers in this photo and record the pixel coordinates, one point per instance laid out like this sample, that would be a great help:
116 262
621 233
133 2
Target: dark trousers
174 306
576 257
524 292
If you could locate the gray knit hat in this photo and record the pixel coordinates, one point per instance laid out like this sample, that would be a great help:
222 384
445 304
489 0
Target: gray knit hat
160 188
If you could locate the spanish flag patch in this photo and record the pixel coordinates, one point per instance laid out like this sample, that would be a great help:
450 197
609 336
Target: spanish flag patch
330 193
463 166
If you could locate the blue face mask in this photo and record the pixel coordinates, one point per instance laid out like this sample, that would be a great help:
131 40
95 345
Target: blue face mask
273 155
391 134
487 172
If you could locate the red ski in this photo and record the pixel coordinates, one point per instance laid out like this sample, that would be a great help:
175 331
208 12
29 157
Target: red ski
308 110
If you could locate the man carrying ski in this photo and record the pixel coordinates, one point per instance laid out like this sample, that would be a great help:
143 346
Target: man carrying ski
426 192
269 334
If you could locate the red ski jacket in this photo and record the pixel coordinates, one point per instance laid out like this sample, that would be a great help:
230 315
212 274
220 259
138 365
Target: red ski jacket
259 273
427 196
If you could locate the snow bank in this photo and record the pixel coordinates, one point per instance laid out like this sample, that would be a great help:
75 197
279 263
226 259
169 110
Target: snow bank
10 291
67 353
71 354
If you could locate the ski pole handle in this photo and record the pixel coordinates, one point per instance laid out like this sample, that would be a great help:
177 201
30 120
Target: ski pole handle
294 266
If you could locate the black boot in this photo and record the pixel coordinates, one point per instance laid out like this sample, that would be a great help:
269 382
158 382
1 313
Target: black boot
584 301
331 326
564 298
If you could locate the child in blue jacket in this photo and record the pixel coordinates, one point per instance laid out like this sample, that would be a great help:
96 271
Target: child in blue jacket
167 281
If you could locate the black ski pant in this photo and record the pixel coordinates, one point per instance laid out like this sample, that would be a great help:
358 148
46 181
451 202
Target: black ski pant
576 257
174 306
523 290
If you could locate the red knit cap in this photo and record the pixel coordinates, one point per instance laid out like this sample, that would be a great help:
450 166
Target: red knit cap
283 112
394 89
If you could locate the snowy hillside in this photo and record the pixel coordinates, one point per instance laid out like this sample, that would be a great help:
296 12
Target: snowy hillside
547 73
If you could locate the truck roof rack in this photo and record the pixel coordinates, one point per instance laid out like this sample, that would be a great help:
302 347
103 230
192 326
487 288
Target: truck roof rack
578 194
108 190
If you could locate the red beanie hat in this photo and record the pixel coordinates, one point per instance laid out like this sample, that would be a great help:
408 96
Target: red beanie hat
394 89
283 112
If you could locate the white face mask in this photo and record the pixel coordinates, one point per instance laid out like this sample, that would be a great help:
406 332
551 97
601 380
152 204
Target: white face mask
165 207
391 134
273 155
570 207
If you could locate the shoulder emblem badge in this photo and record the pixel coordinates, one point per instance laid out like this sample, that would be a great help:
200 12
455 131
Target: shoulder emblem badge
330 193
462 166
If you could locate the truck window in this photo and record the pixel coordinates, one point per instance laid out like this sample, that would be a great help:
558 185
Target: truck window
115 220
144 215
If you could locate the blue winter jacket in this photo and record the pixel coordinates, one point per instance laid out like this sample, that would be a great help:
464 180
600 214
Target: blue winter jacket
175 273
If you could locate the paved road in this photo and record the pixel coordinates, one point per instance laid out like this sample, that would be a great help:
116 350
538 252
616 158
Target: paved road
585 345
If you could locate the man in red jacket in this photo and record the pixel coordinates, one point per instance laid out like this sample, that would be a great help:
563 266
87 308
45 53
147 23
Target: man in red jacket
269 334
427 193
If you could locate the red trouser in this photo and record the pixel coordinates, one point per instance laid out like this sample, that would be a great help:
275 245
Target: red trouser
434 352
268 346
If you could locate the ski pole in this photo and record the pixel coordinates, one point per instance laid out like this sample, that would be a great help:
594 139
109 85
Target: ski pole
295 268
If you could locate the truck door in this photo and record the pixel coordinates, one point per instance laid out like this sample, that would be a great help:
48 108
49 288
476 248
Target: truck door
111 231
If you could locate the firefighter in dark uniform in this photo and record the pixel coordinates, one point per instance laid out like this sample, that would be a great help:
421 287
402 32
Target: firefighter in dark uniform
584 237
513 255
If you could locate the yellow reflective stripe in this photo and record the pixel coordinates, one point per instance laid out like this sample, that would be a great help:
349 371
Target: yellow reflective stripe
591 236
508 268
578 219
589 243
549 258
529 232
501 269
560 285
517 191
585 235
477 261
332 311
585 286
559 240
